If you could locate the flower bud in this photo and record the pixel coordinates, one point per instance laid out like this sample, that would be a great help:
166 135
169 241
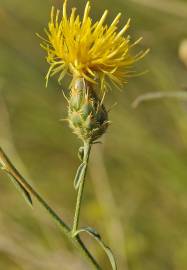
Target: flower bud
87 116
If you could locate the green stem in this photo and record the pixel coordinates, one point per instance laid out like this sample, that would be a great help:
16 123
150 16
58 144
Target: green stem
87 149
9 168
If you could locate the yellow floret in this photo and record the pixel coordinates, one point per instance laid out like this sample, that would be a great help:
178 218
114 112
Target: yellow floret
93 51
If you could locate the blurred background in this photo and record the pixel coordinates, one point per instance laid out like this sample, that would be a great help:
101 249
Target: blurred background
136 192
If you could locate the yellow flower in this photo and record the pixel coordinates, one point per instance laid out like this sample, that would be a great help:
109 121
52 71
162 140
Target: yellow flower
93 51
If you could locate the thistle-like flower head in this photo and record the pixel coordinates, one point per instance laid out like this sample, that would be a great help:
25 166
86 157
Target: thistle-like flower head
93 51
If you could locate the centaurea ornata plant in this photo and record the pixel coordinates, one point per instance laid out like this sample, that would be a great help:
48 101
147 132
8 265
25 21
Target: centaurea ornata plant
94 55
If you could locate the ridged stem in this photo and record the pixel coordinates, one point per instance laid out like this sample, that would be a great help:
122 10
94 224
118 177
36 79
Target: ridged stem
87 149
9 168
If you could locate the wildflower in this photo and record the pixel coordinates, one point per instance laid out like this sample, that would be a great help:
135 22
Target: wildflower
93 51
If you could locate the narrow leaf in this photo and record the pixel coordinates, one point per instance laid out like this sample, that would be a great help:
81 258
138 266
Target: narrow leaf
182 95
92 232
81 153
79 175
21 189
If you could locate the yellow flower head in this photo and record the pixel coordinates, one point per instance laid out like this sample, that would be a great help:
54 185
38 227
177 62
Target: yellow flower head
93 51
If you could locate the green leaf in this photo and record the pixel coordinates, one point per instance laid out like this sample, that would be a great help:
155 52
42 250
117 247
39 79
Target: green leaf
22 190
79 175
92 232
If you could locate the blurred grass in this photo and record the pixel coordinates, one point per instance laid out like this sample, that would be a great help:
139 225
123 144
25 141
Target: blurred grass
145 149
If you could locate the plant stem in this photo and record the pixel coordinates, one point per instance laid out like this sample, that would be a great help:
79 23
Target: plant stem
87 149
9 168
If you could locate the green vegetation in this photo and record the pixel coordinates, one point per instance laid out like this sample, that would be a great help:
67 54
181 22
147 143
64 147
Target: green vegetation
142 164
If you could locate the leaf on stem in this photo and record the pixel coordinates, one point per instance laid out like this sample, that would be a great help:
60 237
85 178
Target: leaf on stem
92 232
79 175
21 189
81 153
7 167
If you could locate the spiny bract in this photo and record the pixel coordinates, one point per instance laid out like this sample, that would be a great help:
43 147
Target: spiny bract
87 115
